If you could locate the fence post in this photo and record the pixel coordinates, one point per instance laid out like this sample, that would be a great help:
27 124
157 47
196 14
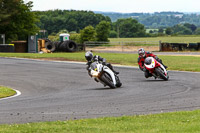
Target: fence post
122 46
160 45
3 37
84 46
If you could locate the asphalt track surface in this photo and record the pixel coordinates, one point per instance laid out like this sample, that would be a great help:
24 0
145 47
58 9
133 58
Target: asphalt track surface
60 91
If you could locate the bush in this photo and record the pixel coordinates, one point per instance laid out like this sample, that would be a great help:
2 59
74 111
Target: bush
113 34
75 37
88 34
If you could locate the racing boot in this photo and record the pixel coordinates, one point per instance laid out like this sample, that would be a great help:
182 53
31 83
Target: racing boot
147 74
96 80
115 72
111 67
165 66
159 60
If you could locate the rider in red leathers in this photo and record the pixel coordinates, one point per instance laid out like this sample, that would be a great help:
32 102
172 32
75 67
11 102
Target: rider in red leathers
142 55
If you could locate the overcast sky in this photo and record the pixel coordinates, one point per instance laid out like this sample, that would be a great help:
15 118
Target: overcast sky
124 6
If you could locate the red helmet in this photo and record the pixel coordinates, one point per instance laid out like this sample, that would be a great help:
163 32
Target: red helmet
141 52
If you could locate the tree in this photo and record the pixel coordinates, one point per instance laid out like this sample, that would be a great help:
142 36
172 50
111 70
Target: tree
168 31
197 31
75 37
151 31
56 20
160 30
87 34
7 8
113 34
185 31
181 29
103 30
129 28
72 25
16 19
190 26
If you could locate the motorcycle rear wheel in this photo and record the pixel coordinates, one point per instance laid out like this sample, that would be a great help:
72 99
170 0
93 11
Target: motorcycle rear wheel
118 84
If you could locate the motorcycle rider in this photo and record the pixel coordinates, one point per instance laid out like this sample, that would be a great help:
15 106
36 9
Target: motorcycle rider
142 55
90 59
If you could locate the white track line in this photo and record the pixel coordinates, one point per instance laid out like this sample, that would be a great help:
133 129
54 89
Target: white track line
17 94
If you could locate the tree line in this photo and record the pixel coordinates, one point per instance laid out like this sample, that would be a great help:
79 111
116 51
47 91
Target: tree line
179 29
55 20
17 21
83 23
158 19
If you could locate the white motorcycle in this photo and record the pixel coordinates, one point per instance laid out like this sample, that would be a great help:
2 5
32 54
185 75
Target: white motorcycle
104 75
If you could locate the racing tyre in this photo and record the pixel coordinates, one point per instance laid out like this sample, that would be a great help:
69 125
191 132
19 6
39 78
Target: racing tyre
69 46
161 73
50 46
107 80
118 84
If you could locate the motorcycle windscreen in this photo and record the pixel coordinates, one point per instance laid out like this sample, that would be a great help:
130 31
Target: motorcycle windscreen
148 61
93 66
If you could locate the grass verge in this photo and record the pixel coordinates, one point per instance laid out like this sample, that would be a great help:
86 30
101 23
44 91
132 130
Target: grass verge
169 39
6 92
181 63
175 122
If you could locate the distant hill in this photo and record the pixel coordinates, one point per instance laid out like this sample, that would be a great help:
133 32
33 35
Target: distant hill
157 19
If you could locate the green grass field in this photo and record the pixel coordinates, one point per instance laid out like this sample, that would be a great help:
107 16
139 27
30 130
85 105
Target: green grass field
170 39
175 122
181 63
5 92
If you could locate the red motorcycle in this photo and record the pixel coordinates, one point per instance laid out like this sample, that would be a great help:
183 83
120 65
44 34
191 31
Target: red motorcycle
156 68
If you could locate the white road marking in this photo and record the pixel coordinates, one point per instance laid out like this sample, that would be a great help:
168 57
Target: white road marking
17 94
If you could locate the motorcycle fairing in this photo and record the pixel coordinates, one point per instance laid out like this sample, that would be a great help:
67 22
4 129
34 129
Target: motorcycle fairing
106 69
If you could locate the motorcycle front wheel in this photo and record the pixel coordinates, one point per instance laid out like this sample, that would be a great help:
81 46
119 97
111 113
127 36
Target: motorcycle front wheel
161 73
105 77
